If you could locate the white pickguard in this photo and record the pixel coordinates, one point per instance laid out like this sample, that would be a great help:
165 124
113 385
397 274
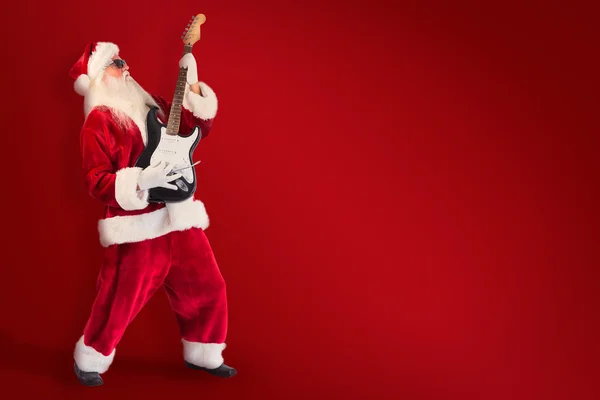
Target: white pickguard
176 150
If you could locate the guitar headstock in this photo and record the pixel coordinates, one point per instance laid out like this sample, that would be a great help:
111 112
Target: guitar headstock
191 34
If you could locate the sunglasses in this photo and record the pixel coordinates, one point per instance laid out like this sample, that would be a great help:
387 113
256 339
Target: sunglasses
118 63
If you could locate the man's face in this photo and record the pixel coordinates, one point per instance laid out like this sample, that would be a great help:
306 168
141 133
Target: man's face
117 69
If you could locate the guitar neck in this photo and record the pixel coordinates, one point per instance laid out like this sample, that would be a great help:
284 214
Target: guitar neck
175 113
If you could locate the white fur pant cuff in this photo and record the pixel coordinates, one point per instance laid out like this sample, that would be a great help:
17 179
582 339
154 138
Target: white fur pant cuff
206 355
90 360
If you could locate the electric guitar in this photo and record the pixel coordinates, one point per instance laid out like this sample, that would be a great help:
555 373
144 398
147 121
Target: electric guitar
166 143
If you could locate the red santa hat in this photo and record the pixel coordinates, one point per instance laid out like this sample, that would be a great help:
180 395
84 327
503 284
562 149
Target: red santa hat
95 58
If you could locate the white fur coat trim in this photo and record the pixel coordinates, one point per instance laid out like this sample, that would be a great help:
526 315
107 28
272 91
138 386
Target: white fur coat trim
136 228
90 360
125 189
206 355
204 105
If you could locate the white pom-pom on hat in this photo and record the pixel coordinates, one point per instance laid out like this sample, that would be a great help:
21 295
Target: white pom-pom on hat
82 84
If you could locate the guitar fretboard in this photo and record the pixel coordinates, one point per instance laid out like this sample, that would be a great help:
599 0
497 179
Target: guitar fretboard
175 113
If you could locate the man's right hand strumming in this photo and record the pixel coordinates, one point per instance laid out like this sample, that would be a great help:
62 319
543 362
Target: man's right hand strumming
157 175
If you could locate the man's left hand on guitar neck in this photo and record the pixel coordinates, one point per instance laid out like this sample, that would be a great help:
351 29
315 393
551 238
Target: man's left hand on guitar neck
188 61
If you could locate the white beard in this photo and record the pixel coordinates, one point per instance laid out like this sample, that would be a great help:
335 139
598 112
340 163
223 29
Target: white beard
127 100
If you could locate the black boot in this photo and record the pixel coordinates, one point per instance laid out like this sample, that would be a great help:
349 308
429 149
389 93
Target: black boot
223 371
88 378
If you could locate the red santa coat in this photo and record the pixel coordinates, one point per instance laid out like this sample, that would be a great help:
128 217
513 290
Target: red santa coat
109 153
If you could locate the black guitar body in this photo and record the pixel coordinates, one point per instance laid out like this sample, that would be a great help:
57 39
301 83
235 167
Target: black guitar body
174 149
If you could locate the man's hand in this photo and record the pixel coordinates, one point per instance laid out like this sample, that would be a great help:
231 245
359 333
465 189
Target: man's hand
156 176
188 61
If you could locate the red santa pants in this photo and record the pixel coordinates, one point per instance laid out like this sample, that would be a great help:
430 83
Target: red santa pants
181 262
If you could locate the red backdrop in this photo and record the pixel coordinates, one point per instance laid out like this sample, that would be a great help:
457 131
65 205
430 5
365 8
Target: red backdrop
402 197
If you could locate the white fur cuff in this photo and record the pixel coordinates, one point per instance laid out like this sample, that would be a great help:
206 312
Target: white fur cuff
125 190
90 360
204 105
206 355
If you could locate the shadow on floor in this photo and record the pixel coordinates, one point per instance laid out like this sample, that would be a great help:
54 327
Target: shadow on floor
57 364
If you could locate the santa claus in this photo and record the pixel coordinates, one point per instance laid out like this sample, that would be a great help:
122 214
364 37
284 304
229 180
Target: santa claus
148 246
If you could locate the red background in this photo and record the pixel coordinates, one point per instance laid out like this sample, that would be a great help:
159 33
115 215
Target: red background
403 198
